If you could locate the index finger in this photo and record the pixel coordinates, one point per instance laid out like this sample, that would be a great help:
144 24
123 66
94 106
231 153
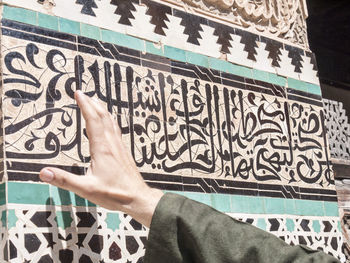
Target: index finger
91 116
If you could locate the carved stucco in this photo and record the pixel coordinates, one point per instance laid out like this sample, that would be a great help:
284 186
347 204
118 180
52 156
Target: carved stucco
281 18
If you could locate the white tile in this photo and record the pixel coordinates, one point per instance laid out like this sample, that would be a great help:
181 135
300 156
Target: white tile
286 68
237 53
175 36
263 62
308 73
141 25
208 45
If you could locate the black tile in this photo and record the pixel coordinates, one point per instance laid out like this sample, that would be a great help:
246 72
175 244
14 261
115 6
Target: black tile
313 60
193 25
250 42
86 219
38 30
31 242
40 219
305 100
296 55
88 7
274 48
65 255
92 43
38 39
159 14
125 9
223 32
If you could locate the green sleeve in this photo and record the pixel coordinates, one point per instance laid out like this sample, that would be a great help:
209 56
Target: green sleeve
184 231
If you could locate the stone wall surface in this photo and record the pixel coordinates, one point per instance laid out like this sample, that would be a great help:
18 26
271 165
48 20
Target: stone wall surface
225 116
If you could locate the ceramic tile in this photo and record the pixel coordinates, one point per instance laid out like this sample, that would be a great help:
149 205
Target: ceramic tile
69 26
200 110
238 54
208 43
286 67
309 74
48 21
90 31
208 34
263 60
21 15
141 29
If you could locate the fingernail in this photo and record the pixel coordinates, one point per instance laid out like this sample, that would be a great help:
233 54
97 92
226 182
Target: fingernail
78 93
47 175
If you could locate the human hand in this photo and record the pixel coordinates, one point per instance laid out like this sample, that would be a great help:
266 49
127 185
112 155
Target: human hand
112 180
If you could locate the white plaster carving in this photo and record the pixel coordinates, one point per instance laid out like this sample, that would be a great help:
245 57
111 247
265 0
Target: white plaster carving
281 18
338 129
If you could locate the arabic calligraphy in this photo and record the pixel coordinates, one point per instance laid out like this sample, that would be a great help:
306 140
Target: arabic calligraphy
173 124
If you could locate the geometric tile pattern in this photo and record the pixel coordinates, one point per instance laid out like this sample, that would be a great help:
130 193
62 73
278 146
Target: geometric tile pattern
88 237
162 23
192 123
189 127
338 129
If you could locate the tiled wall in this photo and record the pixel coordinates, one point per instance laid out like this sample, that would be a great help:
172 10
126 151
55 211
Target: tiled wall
245 135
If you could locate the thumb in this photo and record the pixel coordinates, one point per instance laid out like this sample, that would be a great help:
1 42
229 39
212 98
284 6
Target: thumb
63 179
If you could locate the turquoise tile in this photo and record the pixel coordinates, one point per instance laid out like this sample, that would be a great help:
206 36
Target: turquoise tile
20 15
2 193
241 71
113 221
220 64
122 40
154 49
4 218
289 205
297 84
28 193
256 205
261 224
176 192
79 201
314 89
63 197
260 75
175 53
11 218
199 197
221 202
240 204
278 80
331 209
69 26
197 59
47 21
290 225
60 196
316 226
309 208
90 31
274 205
90 204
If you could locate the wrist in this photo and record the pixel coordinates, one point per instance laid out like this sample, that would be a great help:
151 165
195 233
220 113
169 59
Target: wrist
144 205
